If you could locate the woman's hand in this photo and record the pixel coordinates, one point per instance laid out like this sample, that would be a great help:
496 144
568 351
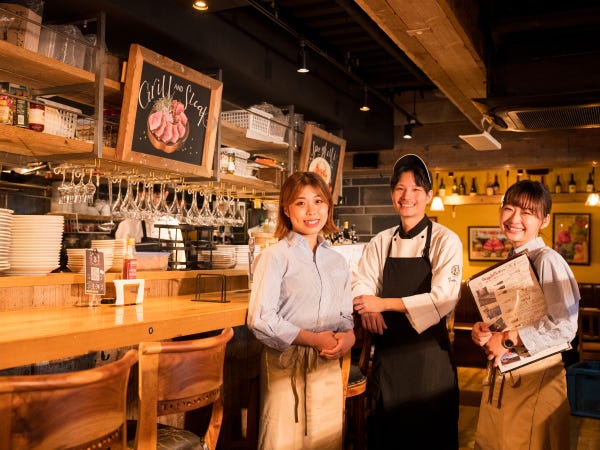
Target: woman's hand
325 340
481 333
345 341
491 342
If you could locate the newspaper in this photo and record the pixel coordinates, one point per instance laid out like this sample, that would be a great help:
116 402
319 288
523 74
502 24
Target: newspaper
508 296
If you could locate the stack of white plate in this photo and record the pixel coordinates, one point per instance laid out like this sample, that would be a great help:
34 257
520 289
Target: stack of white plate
35 244
117 246
242 254
222 258
76 259
5 221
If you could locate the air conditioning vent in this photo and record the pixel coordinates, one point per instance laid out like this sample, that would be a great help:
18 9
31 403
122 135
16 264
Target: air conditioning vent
542 113
586 116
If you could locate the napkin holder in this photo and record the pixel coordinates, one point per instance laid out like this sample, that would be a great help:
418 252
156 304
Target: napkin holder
126 290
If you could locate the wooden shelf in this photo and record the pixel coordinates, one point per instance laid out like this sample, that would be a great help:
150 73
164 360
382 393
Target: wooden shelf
36 71
259 186
456 200
234 136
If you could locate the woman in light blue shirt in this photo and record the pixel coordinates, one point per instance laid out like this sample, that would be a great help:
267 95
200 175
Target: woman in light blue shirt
528 408
301 310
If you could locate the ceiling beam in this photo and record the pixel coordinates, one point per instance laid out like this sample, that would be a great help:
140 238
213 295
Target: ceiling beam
431 35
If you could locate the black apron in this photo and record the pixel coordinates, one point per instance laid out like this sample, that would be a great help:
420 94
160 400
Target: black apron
413 384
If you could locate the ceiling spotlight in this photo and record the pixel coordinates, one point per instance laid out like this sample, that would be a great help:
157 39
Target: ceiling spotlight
302 59
364 106
200 5
408 129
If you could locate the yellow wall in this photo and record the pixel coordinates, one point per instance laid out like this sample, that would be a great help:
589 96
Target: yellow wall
488 215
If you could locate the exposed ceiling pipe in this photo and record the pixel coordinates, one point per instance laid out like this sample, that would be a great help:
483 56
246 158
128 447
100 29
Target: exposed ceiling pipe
342 67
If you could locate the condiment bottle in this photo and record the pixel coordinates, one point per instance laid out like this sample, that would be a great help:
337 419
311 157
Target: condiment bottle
130 261
36 116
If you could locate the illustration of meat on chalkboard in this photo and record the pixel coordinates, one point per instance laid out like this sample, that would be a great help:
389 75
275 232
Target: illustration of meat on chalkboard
170 115
168 126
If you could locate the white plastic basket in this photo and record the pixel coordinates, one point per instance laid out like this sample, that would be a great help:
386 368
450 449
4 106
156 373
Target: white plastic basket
60 120
254 120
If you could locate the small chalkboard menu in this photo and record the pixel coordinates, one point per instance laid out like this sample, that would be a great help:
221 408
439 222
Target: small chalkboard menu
170 115
323 153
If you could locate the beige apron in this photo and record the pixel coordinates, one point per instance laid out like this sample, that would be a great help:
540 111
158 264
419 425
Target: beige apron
301 401
525 409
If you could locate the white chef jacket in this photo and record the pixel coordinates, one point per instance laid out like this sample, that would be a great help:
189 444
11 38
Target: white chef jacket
446 256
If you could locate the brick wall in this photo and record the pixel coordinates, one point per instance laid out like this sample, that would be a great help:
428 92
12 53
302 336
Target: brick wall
367 205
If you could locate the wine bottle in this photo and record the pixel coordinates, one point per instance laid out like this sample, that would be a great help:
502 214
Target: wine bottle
557 185
454 186
496 185
353 234
589 184
442 189
346 233
462 188
473 190
572 185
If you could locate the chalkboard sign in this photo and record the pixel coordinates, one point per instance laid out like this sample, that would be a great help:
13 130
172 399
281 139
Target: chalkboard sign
170 115
323 153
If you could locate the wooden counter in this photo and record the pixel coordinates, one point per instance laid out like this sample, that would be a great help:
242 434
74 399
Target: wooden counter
34 335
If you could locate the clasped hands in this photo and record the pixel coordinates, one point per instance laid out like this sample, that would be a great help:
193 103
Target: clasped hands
334 345
370 307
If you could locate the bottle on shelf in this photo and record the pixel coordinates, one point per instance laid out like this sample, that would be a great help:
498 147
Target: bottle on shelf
557 185
130 261
442 189
495 185
346 233
454 186
353 234
462 188
589 184
473 190
572 185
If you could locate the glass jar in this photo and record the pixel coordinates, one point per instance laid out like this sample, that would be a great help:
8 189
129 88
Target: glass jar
36 116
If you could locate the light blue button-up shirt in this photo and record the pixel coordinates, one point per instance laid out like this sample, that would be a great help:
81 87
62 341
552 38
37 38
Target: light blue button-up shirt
294 289
562 296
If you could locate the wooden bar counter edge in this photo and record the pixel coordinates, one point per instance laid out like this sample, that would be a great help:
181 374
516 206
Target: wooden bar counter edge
47 332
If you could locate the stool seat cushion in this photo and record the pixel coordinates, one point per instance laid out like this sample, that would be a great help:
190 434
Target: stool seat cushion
169 438
355 376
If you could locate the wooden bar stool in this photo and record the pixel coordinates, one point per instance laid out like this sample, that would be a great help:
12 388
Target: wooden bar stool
83 409
176 377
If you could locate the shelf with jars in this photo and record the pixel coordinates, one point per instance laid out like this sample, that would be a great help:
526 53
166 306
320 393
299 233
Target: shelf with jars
44 75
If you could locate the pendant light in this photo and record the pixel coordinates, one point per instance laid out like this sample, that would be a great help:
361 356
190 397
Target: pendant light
302 59
412 121
200 5
437 204
364 106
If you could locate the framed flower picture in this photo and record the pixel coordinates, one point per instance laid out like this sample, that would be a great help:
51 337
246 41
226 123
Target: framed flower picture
487 244
571 236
